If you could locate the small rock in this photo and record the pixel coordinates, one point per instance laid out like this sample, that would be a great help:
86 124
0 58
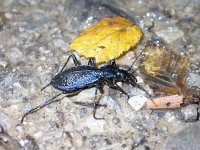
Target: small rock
116 120
9 15
137 102
5 120
138 139
147 23
84 131
159 114
190 112
29 143
170 34
19 129
15 53
193 80
60 44
69 127
83 112
3 63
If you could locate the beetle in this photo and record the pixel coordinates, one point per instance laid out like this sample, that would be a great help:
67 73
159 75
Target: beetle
75 79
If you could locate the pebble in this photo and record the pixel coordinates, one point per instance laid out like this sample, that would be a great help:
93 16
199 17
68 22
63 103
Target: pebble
60 44
190 112
193 80
20 129
3 63
15 53
8 15
170 34
29 143
83 112
116 120
137 102
159 114
147 23
5 120
138 139
84 131
69 127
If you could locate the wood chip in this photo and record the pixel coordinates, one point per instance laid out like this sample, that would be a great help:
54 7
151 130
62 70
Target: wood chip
167 102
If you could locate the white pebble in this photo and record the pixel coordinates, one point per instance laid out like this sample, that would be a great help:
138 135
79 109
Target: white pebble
137 102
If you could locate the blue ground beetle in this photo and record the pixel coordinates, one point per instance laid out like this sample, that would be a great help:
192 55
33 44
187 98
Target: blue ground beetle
73 80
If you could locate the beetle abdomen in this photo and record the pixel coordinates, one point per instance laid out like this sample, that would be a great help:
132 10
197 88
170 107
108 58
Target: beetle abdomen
71 81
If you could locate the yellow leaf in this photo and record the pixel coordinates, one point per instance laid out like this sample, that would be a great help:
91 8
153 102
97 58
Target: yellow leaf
107 40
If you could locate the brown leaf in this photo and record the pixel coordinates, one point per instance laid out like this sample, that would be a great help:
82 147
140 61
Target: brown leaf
164 70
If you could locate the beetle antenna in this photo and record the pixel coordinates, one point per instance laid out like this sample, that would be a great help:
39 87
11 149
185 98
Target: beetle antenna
141 88
45 86
137 58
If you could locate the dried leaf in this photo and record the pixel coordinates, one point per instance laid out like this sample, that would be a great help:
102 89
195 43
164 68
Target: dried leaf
167 102
165 71
107 40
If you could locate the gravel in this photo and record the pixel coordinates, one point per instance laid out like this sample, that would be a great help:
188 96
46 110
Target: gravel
34 42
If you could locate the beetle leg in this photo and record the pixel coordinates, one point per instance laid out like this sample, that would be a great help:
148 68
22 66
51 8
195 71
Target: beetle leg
76 62
114 86
52 100
113 63
91 62
140 87
137 57
71 93
89 104
95 105
117 87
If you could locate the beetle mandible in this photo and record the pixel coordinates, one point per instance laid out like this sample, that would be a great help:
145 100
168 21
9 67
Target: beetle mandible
80 77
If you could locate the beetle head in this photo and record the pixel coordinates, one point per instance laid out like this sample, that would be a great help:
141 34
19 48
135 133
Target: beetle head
127 75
